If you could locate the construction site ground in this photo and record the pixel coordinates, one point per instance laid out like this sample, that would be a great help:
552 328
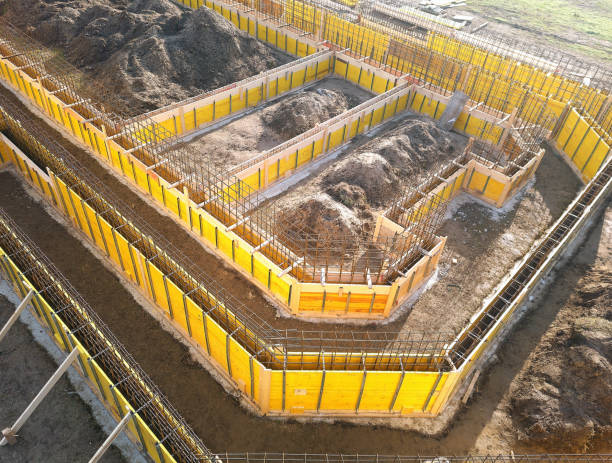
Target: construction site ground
62 429
549 387
345 195
201 400
481 239
276 122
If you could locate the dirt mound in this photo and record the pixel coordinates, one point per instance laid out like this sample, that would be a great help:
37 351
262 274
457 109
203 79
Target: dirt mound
379 168
319 216
303 111
149 52
369 173
563 401
415 146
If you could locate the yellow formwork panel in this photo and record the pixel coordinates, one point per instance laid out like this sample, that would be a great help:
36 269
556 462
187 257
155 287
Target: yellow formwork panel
579 131
302 390
157 282
240 367
196 321
108 233
602 150
131 269
242 257
64 198
279 287
171 198
494 189
380 85
175 296
435 393
217 338
260 270
379 389
341 390
224 243
414 391
98 239
586 144
204 114
476 181
82 220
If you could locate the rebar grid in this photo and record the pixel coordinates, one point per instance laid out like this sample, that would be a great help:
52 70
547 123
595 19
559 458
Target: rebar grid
268 457
310 257
98 340
268 344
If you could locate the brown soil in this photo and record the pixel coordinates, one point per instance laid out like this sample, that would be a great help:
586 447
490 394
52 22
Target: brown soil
62 428
149 53
246 137
562 400
346 197
553 376
483 427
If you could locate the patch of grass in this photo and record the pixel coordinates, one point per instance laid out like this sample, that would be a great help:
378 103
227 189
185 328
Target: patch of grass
585 20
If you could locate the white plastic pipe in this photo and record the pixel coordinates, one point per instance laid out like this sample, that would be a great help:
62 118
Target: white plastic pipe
112 436
13 318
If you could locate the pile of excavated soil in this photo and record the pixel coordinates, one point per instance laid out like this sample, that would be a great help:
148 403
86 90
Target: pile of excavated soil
299 113
562 400
365 181
246 137
149 53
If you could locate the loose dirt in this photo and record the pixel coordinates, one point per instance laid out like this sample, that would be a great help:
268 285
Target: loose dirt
345 197
279 121
562 399
149 53
62 428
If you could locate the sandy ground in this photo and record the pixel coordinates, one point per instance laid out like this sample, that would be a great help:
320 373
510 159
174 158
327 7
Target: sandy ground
275 123
62 428
485 426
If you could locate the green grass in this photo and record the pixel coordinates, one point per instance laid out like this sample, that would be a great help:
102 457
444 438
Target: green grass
566 19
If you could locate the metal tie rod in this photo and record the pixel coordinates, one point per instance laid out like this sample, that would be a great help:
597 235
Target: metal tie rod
157 164
10 434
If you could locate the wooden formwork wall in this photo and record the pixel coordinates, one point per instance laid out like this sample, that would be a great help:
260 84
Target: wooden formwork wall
273 391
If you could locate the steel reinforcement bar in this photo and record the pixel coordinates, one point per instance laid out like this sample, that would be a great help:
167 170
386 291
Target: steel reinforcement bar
112 372
277 350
